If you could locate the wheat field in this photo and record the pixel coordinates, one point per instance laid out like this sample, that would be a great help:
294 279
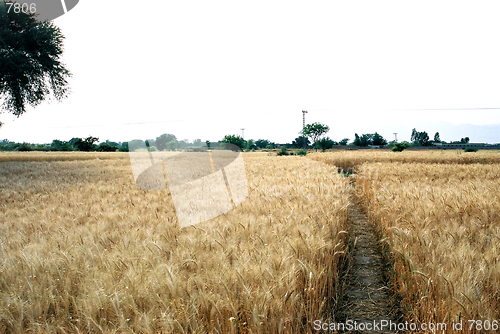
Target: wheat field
83 250
438 216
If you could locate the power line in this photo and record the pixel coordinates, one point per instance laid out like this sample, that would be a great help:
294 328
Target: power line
212 118
453 109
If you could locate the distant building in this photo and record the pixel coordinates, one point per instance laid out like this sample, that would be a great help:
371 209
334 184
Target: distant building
463 145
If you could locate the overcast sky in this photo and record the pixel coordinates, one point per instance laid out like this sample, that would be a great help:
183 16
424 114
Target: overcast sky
204 69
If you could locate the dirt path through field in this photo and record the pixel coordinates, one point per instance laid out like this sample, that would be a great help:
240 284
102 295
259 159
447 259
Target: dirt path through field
366 298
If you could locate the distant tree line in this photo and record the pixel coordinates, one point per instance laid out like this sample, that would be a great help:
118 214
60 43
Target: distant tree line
75 144
312 136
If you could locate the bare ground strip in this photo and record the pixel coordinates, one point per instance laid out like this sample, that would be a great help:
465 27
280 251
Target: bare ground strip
367 298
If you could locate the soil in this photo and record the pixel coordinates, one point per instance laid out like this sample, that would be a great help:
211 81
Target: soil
367 297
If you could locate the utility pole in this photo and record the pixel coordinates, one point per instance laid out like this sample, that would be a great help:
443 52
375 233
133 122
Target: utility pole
242 133
304 112
396 137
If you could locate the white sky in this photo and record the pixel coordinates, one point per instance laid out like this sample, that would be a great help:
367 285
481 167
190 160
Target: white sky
204 69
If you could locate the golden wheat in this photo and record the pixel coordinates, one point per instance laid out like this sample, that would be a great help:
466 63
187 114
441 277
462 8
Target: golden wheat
84 250
438 214
350 160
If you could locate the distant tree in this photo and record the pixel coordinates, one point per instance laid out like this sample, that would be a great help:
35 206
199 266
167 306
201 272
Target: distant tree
301 142
437 138
464 140
183 143
262 143
378 140
197 142
315 131
235 140
105 147
400 147
87 144
283 151
135 144
73 140
344 141
172 145
150 142
365 139
208 143
357 140
24 147
250 145
30 61
325 144
58 145
161 141
470 149
112 143
124 147
420 138
423 138
41 147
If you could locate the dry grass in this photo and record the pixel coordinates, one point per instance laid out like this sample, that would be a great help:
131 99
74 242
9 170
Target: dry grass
82 249
59 156
440 215
350 160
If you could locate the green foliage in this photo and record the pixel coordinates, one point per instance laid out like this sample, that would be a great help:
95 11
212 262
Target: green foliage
250 145
87 144
124 147
464 140
208 143
264 143
181 144
324 144
72 141
400 147
437 138
235 140
172 145
30 62
363 141
59 145
161 141
301 142
150 142
314 131
283 151
5 145
420 138
24 147
197 143
378 140
301 152
41 147
105 147
344 141
470 149
136 144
